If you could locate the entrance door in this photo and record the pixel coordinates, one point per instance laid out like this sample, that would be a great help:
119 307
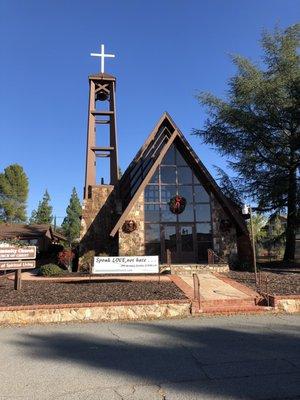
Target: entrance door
179 243
187 243
170 247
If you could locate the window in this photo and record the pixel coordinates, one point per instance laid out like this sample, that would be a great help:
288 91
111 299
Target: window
167 192
151 194
188 232
187 243
201 196
202 212
187 215
169 158
184 175
168 174
151 212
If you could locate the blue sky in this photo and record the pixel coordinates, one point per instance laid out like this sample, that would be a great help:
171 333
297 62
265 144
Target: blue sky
166 51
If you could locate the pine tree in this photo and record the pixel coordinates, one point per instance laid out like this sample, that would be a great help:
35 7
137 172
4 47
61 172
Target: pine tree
13 194
43 213
71 223
258 127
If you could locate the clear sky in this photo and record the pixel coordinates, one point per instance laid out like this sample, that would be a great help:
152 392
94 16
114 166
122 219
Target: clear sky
166 50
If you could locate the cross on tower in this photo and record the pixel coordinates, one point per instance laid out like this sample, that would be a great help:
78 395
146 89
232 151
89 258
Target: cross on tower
102 55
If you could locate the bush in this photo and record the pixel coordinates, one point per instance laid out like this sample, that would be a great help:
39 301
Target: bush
239 265
65 258
50 270
87 261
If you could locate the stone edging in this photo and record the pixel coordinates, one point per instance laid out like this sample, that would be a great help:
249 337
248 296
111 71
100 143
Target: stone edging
286 303
97 312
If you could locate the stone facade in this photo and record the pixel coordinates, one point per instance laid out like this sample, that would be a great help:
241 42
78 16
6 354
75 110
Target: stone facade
133 244
98 219
224 232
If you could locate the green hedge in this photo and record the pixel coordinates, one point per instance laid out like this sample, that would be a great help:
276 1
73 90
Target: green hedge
51 270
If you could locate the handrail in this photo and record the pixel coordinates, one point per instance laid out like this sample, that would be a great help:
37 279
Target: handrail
211 255
196 283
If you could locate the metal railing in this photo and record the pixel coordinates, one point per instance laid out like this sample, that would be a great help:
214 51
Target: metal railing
212 257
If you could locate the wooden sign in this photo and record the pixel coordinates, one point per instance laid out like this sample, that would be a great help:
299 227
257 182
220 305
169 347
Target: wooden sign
6 265
9 252
126 265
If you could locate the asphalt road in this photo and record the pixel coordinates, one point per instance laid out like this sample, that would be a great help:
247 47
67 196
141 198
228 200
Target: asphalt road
240 357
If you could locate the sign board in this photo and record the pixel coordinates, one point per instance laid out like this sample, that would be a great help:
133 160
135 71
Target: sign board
126 265
9 252
17 265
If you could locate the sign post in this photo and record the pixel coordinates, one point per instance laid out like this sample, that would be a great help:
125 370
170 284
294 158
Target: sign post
17 258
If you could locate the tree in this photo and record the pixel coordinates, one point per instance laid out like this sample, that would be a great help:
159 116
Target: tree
258 127
43 213
13 194
71 223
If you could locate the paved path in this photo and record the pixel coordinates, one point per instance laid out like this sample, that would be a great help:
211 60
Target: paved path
239 357
213 288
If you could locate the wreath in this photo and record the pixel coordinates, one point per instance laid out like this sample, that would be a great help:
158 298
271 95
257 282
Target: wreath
177 204
129 226
225 225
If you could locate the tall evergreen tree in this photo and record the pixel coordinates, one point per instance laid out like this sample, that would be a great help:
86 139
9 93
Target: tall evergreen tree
71 223
13 194
258 127
43 214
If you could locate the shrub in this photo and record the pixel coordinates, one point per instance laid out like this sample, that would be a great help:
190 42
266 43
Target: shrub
65 258
240 265
87 261
50 270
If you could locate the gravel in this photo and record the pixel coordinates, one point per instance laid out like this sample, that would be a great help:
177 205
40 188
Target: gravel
280 283
85 292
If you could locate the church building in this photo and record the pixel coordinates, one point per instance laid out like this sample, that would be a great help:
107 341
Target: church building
166 203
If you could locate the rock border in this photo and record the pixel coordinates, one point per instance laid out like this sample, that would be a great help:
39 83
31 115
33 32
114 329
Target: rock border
96 312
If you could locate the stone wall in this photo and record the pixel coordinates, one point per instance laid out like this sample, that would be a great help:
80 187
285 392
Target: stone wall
133 244
98 219
224 238
143 310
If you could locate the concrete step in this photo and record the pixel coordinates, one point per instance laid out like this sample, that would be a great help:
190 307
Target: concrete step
246 302
230 309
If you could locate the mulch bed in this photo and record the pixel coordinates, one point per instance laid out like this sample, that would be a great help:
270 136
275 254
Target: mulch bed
85 292
279 282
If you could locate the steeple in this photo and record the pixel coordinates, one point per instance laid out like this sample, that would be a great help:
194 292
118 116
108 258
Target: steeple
101 111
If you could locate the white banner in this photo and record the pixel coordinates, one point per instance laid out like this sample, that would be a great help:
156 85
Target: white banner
126 265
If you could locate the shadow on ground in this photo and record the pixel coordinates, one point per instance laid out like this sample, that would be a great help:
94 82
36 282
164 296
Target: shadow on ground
223 362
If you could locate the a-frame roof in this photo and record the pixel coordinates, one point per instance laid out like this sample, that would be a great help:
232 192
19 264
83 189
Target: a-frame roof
141 169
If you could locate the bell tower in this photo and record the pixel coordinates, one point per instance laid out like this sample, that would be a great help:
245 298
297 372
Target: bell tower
101 111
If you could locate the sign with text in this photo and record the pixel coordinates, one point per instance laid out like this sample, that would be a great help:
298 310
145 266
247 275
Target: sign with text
126 265
10 252
4 265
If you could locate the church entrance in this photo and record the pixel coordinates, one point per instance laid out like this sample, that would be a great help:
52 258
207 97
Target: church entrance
182 237
179 243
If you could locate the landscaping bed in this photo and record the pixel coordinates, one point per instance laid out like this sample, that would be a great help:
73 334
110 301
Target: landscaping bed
279 283
86 292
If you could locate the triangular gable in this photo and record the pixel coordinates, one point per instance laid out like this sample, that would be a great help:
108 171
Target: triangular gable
141 169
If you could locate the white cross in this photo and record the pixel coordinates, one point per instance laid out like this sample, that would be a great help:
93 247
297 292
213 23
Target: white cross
102 55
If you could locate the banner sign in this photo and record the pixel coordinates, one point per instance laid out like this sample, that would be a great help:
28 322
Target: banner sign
9 252
4 265
126 265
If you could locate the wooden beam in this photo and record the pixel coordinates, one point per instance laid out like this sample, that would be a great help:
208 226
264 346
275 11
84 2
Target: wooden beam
102 112
95 148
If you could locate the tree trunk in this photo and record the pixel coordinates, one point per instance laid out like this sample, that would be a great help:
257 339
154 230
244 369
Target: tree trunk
289 254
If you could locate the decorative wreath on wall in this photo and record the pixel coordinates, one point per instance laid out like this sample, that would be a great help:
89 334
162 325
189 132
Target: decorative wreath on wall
129 226
177 204
225 225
